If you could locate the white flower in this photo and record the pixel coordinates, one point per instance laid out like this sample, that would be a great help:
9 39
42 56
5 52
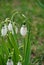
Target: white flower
19 63
9 62
12 32
16 29
4 30
10 28
23 30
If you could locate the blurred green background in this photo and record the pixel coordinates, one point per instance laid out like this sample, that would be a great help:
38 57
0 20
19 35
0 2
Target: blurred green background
8 6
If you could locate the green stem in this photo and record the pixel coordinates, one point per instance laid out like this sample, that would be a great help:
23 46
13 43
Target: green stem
28 50
13 16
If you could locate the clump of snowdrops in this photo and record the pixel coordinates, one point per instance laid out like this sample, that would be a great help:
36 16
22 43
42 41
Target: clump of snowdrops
10 33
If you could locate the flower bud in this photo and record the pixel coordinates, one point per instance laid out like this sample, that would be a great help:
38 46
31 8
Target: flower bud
10 28
4 30
23 30
16 29
9 62
19 63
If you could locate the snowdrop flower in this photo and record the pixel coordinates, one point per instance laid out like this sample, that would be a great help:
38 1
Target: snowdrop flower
9 62
16 29
19 63
4 30
23 30
12 32
10 28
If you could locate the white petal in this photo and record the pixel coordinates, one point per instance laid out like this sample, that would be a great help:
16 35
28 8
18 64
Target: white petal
19 63
12 32
10 62
4 30
16 30
23 31
10 28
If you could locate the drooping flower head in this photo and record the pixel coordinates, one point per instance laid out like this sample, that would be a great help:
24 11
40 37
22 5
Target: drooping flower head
23 30
19 63
9 62
10 27
4 30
